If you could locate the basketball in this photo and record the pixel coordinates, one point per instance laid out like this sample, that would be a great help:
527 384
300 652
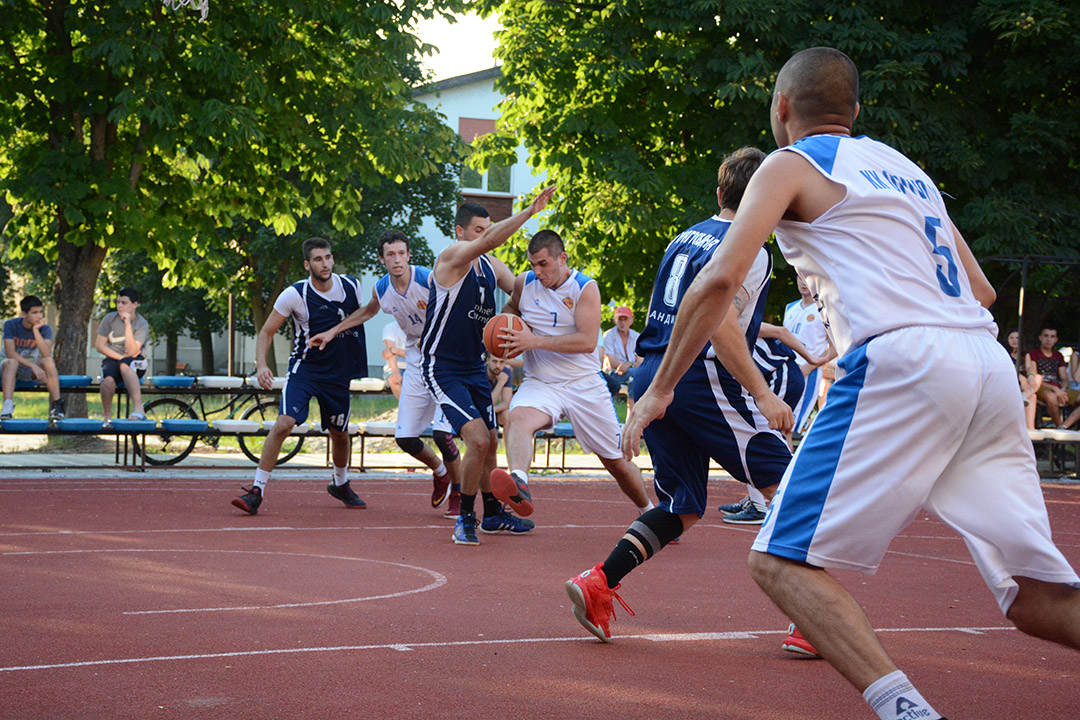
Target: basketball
494 328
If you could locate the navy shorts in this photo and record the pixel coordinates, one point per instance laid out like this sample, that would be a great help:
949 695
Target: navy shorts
332 394
711 417
110 367
463 393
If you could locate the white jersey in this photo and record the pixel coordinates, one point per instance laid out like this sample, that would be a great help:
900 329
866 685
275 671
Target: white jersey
552 312
613 345
885 256
408 308
805 323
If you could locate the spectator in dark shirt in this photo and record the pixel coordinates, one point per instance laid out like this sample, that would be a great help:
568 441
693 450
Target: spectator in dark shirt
27 355
1051 365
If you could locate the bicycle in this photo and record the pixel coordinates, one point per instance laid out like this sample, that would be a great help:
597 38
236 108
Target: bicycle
163 448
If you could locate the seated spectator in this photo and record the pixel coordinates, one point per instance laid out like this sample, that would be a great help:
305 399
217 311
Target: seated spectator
502 388
620 354
1030 380
121 337
27 356
393 338
1051 365
1074 388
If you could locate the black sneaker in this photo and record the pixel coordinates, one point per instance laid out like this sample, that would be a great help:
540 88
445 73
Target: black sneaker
56 412
736 507
250 501
345 494
752 514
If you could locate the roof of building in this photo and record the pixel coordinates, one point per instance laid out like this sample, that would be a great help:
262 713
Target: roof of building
467 79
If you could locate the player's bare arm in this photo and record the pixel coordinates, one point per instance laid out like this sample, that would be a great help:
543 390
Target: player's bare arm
980 287
587 318
454 261
770 193
513 305
132 347
44 346
262 345
729 343
504 276
357 317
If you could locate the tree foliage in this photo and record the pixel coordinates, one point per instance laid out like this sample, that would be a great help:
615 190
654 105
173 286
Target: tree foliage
630 105
128 126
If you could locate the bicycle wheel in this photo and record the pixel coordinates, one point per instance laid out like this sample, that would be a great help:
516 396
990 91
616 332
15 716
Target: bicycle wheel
165 449
252 445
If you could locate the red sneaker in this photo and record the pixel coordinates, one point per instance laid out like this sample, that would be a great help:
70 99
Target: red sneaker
592 601
796 643
513 492
453 508
441 489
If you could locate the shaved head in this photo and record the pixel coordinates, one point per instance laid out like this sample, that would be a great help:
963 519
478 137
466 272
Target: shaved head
822 86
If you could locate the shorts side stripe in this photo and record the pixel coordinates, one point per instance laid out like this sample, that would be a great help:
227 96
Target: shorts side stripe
809 398
814 466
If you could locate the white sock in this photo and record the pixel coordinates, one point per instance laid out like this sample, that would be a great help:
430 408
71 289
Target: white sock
521 475
261 478
9 406
647 508
441 470
757 498
340 477
893 697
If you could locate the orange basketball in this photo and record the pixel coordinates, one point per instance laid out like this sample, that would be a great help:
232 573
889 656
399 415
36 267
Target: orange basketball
494 328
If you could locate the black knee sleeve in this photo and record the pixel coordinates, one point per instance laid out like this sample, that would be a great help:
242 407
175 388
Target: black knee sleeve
445 442
412 445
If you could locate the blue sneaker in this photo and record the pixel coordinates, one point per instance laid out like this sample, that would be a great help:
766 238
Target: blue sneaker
753 514
512 524
736 507
465 530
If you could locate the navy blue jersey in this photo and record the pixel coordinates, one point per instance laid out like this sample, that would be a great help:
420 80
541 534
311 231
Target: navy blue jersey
683 260
456 316
313 312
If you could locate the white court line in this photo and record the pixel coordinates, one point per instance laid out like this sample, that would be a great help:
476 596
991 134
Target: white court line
406 647
438 579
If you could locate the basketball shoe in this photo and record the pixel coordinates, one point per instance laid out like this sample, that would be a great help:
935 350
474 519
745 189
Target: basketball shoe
453 506
591 596
512 491
493 524
345 494
465 530
736 507
796 643
441 489
250 501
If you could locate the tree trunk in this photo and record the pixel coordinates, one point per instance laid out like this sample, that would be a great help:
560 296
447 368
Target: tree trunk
206 343
76 276
171 344
259 313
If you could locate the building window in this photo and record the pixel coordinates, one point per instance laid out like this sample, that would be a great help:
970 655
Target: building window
497 177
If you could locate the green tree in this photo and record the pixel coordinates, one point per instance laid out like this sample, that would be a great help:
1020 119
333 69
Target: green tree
130 126
630 105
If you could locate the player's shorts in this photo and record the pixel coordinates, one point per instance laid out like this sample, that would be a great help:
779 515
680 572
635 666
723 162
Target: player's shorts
463 393
585 402
925 418
110 367
23 373
806 403
788 383
711 416
417 408
332 394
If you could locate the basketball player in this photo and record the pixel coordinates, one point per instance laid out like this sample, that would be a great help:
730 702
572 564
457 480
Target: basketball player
803 320
562 373
403 292
723 409
927 416
315 304
461 302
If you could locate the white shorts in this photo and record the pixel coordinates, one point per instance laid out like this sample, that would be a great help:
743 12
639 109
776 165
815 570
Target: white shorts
417 407
585 402
924 418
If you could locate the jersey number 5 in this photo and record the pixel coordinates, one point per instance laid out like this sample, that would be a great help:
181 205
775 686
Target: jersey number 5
947 274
